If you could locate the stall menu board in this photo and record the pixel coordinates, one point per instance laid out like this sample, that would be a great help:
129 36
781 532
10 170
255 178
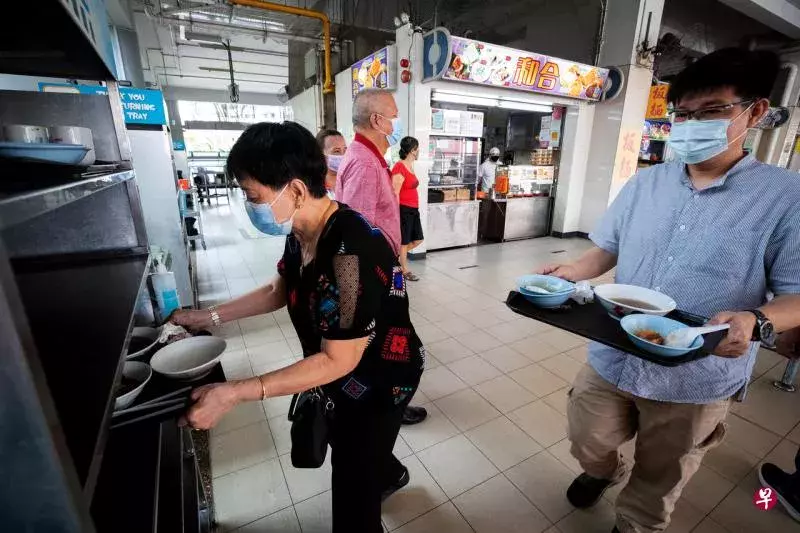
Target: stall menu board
375 70
498 66
544 132
657 101
457 123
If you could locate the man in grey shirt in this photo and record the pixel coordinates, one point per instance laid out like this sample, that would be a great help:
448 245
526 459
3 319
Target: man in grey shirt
717 232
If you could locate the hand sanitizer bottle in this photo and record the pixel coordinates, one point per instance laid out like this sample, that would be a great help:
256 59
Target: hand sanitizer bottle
166 291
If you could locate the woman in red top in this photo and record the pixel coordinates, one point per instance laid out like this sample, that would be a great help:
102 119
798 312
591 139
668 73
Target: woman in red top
405 185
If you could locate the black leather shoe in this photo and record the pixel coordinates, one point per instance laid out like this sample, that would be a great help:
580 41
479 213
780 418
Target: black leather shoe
586 491
397 485
414 415
785 486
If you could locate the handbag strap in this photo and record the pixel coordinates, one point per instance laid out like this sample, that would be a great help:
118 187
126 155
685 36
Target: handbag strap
329 405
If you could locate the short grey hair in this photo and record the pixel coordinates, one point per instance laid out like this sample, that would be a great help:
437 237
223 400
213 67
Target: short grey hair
366 103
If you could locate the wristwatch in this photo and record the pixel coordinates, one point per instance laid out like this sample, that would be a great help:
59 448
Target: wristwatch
764 331
215 319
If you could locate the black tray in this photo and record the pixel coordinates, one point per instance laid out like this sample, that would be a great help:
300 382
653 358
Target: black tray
593 322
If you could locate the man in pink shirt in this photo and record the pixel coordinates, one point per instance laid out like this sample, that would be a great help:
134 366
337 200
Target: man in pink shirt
364 182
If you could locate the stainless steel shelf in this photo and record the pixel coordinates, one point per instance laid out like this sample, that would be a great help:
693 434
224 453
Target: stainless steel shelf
18 208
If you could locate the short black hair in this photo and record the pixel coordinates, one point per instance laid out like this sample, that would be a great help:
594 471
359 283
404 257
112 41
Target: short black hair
324 134
750 73
407 144
275 153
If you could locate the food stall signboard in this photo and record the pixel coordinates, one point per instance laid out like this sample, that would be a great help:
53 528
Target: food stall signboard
377 70
498 66
657 101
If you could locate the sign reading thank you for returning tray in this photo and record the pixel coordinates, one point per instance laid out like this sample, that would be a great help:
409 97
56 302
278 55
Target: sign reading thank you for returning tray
498 66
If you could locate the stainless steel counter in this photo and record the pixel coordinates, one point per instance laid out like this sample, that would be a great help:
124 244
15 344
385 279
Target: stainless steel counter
515 218
452 224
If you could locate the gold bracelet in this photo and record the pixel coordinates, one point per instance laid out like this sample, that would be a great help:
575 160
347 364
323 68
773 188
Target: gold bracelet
263 389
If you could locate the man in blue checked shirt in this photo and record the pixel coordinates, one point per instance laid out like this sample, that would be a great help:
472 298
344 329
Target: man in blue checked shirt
717 232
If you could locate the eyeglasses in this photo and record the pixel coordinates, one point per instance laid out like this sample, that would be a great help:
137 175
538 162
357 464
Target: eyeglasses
707 113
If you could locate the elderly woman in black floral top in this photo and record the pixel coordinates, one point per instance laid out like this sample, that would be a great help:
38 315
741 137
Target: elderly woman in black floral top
346 296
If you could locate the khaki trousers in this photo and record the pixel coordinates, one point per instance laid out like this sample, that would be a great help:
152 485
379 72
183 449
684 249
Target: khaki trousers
671 440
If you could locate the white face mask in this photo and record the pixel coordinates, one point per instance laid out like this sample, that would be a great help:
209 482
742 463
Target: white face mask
696 141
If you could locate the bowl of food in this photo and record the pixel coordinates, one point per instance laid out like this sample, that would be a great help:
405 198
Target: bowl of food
143 340
188 359
135 376
622 300
545 291
648 332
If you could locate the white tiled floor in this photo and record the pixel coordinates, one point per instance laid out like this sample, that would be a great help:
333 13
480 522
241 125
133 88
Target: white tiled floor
493 455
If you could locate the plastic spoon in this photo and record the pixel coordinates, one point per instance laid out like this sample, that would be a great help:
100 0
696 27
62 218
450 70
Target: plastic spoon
684 337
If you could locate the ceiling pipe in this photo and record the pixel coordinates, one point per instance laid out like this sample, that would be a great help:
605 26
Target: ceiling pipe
327 87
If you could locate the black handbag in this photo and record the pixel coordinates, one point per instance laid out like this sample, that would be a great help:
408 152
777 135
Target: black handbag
310 412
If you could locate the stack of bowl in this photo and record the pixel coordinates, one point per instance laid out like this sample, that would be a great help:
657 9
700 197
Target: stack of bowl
545 291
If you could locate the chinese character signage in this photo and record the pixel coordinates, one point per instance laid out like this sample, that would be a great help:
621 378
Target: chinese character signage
377 70
498 66
657 102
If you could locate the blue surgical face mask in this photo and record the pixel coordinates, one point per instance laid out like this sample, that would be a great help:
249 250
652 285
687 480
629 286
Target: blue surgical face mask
334 160
263 218
397 130
695 141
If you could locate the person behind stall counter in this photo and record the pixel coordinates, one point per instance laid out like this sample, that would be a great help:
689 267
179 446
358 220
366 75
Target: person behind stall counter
717 231
333 146
487 170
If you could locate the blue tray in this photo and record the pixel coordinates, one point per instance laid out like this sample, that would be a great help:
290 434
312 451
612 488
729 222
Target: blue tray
69 154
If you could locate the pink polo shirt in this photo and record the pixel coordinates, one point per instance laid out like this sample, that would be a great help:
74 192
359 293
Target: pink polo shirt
363 182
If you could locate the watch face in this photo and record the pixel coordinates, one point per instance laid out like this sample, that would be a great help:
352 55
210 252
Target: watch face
768 333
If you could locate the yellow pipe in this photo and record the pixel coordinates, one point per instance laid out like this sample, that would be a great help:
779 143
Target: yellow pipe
327 87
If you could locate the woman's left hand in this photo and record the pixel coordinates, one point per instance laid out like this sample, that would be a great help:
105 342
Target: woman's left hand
211 404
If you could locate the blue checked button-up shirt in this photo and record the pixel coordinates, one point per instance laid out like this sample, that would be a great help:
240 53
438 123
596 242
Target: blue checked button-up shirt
718 249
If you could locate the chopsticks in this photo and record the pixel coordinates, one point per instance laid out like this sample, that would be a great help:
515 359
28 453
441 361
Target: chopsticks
164 397
151 415
156 405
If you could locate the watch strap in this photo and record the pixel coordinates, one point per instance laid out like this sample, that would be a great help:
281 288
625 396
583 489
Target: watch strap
215 318
761 318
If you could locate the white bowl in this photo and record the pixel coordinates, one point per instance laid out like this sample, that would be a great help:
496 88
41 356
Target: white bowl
151 334
138 371
189 359
619 299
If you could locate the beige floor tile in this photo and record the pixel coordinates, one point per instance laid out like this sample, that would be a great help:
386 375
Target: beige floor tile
401 449
437 313
281 433
546 425
749 437
794 436
466 409
419 398
768 407
730 462
558 400
436 428
443 519
538 380
544 481
306 482
580 354
534 348
249 494
505 394
418 497
284 521
263 336
455 326
278 406
766 361
597 519
440 381
431 362
496 505
685 517
505 358
237 369
563 366
240 448
738 514
270 352
503 443
782 455
479 340
314 514
256 323
448 350
484 319
553 529
474 370
706 489
234 357
242 415
430 333
709 526
457 465
560 451
509 332
562 340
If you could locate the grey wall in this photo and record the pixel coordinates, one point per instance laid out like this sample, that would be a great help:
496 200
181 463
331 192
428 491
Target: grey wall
131 60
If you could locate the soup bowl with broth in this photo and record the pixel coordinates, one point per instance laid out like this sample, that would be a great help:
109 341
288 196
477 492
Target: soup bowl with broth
622 300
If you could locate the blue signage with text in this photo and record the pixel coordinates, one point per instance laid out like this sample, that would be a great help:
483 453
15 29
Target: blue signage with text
142 106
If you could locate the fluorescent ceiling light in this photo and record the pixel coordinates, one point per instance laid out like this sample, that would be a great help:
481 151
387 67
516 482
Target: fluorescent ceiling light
524 106
464 99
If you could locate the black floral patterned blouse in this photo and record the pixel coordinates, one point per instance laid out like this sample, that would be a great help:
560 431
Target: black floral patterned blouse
354 288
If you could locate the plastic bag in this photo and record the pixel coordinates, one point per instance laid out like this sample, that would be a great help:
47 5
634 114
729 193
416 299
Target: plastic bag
583 293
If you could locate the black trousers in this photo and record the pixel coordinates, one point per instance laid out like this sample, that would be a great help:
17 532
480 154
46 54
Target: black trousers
362 440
